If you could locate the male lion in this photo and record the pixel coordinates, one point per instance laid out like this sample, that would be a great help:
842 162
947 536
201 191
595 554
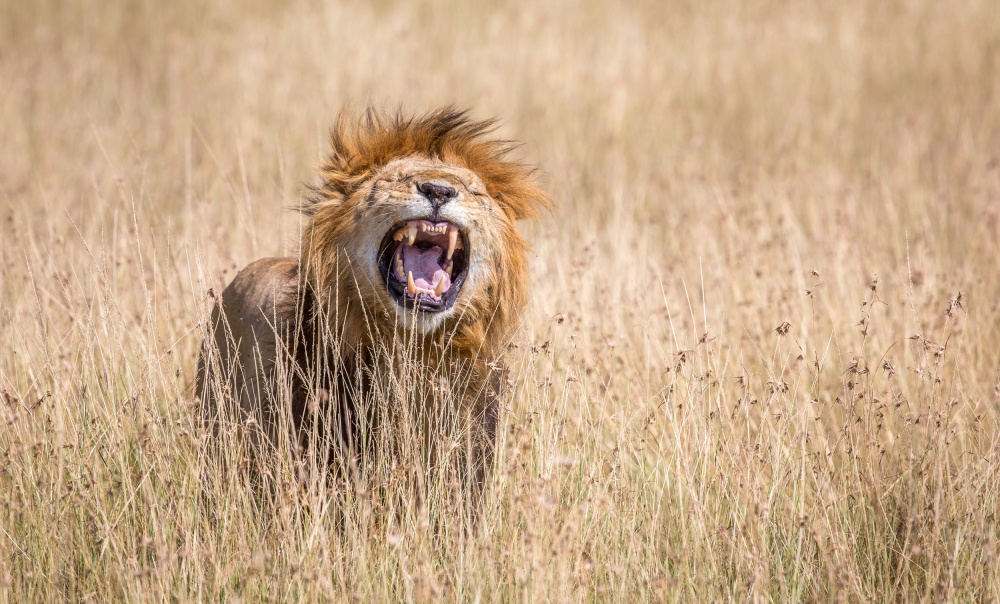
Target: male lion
410 264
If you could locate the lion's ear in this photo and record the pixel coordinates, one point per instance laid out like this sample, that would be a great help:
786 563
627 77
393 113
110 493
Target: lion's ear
525 207
352 158
329 192
513 186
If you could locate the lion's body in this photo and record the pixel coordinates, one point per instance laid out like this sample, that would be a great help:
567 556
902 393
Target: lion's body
342 319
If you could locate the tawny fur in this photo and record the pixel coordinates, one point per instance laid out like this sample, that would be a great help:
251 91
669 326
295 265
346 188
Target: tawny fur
282 317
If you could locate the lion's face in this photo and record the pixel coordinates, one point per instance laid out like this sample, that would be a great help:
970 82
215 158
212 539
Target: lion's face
415 225
425 256
433 240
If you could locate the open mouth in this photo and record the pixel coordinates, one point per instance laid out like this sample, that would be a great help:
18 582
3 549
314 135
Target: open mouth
424 264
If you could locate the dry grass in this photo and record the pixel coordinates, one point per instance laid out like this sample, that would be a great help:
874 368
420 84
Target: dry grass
762 358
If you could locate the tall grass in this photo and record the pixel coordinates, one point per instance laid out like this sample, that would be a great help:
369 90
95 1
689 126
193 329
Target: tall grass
762 360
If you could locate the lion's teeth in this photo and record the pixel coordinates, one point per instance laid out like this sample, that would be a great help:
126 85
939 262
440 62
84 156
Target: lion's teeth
399 235
399 268
411 233
439 289
452 241
448 268
411 287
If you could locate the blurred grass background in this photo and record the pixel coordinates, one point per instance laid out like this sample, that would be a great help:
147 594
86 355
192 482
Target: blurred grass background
762 360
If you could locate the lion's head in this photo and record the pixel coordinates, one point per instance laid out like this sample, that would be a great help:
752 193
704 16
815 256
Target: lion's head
413 227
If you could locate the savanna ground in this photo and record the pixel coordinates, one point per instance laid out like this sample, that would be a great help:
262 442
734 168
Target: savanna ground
762 360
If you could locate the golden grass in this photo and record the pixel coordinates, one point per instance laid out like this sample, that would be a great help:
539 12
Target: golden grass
762 361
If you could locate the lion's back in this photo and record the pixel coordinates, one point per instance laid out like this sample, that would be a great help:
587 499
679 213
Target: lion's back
241 347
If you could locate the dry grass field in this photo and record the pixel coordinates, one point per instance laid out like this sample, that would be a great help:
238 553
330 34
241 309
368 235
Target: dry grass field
762 358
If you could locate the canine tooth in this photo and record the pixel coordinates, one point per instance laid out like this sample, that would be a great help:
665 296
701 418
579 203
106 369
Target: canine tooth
448 270
439 289
452 241
411 233
411 287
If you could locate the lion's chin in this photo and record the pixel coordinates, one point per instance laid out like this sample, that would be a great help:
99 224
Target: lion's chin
424 264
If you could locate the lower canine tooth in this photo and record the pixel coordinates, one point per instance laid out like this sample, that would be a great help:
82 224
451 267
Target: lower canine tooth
411 287
440 288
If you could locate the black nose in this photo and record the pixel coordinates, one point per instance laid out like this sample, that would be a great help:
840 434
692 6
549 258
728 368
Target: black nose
437 192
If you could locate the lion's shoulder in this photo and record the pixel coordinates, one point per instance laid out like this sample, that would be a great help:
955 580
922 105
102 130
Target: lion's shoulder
265 284
260 302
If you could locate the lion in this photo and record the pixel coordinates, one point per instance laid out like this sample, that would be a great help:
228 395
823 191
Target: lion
410 262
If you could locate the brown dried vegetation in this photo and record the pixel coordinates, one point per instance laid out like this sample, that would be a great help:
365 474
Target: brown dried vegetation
761 361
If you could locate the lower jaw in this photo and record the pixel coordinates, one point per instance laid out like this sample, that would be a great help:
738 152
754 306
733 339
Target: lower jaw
423 303
419 306
410 322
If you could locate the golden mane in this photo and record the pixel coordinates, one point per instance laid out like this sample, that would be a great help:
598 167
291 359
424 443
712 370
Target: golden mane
363 144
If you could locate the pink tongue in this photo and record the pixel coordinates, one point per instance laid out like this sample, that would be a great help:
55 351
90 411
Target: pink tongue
424 266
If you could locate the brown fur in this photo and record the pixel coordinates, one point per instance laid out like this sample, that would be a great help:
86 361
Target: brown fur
281 318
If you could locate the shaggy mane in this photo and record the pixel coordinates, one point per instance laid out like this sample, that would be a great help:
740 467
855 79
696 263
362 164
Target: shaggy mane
361 145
